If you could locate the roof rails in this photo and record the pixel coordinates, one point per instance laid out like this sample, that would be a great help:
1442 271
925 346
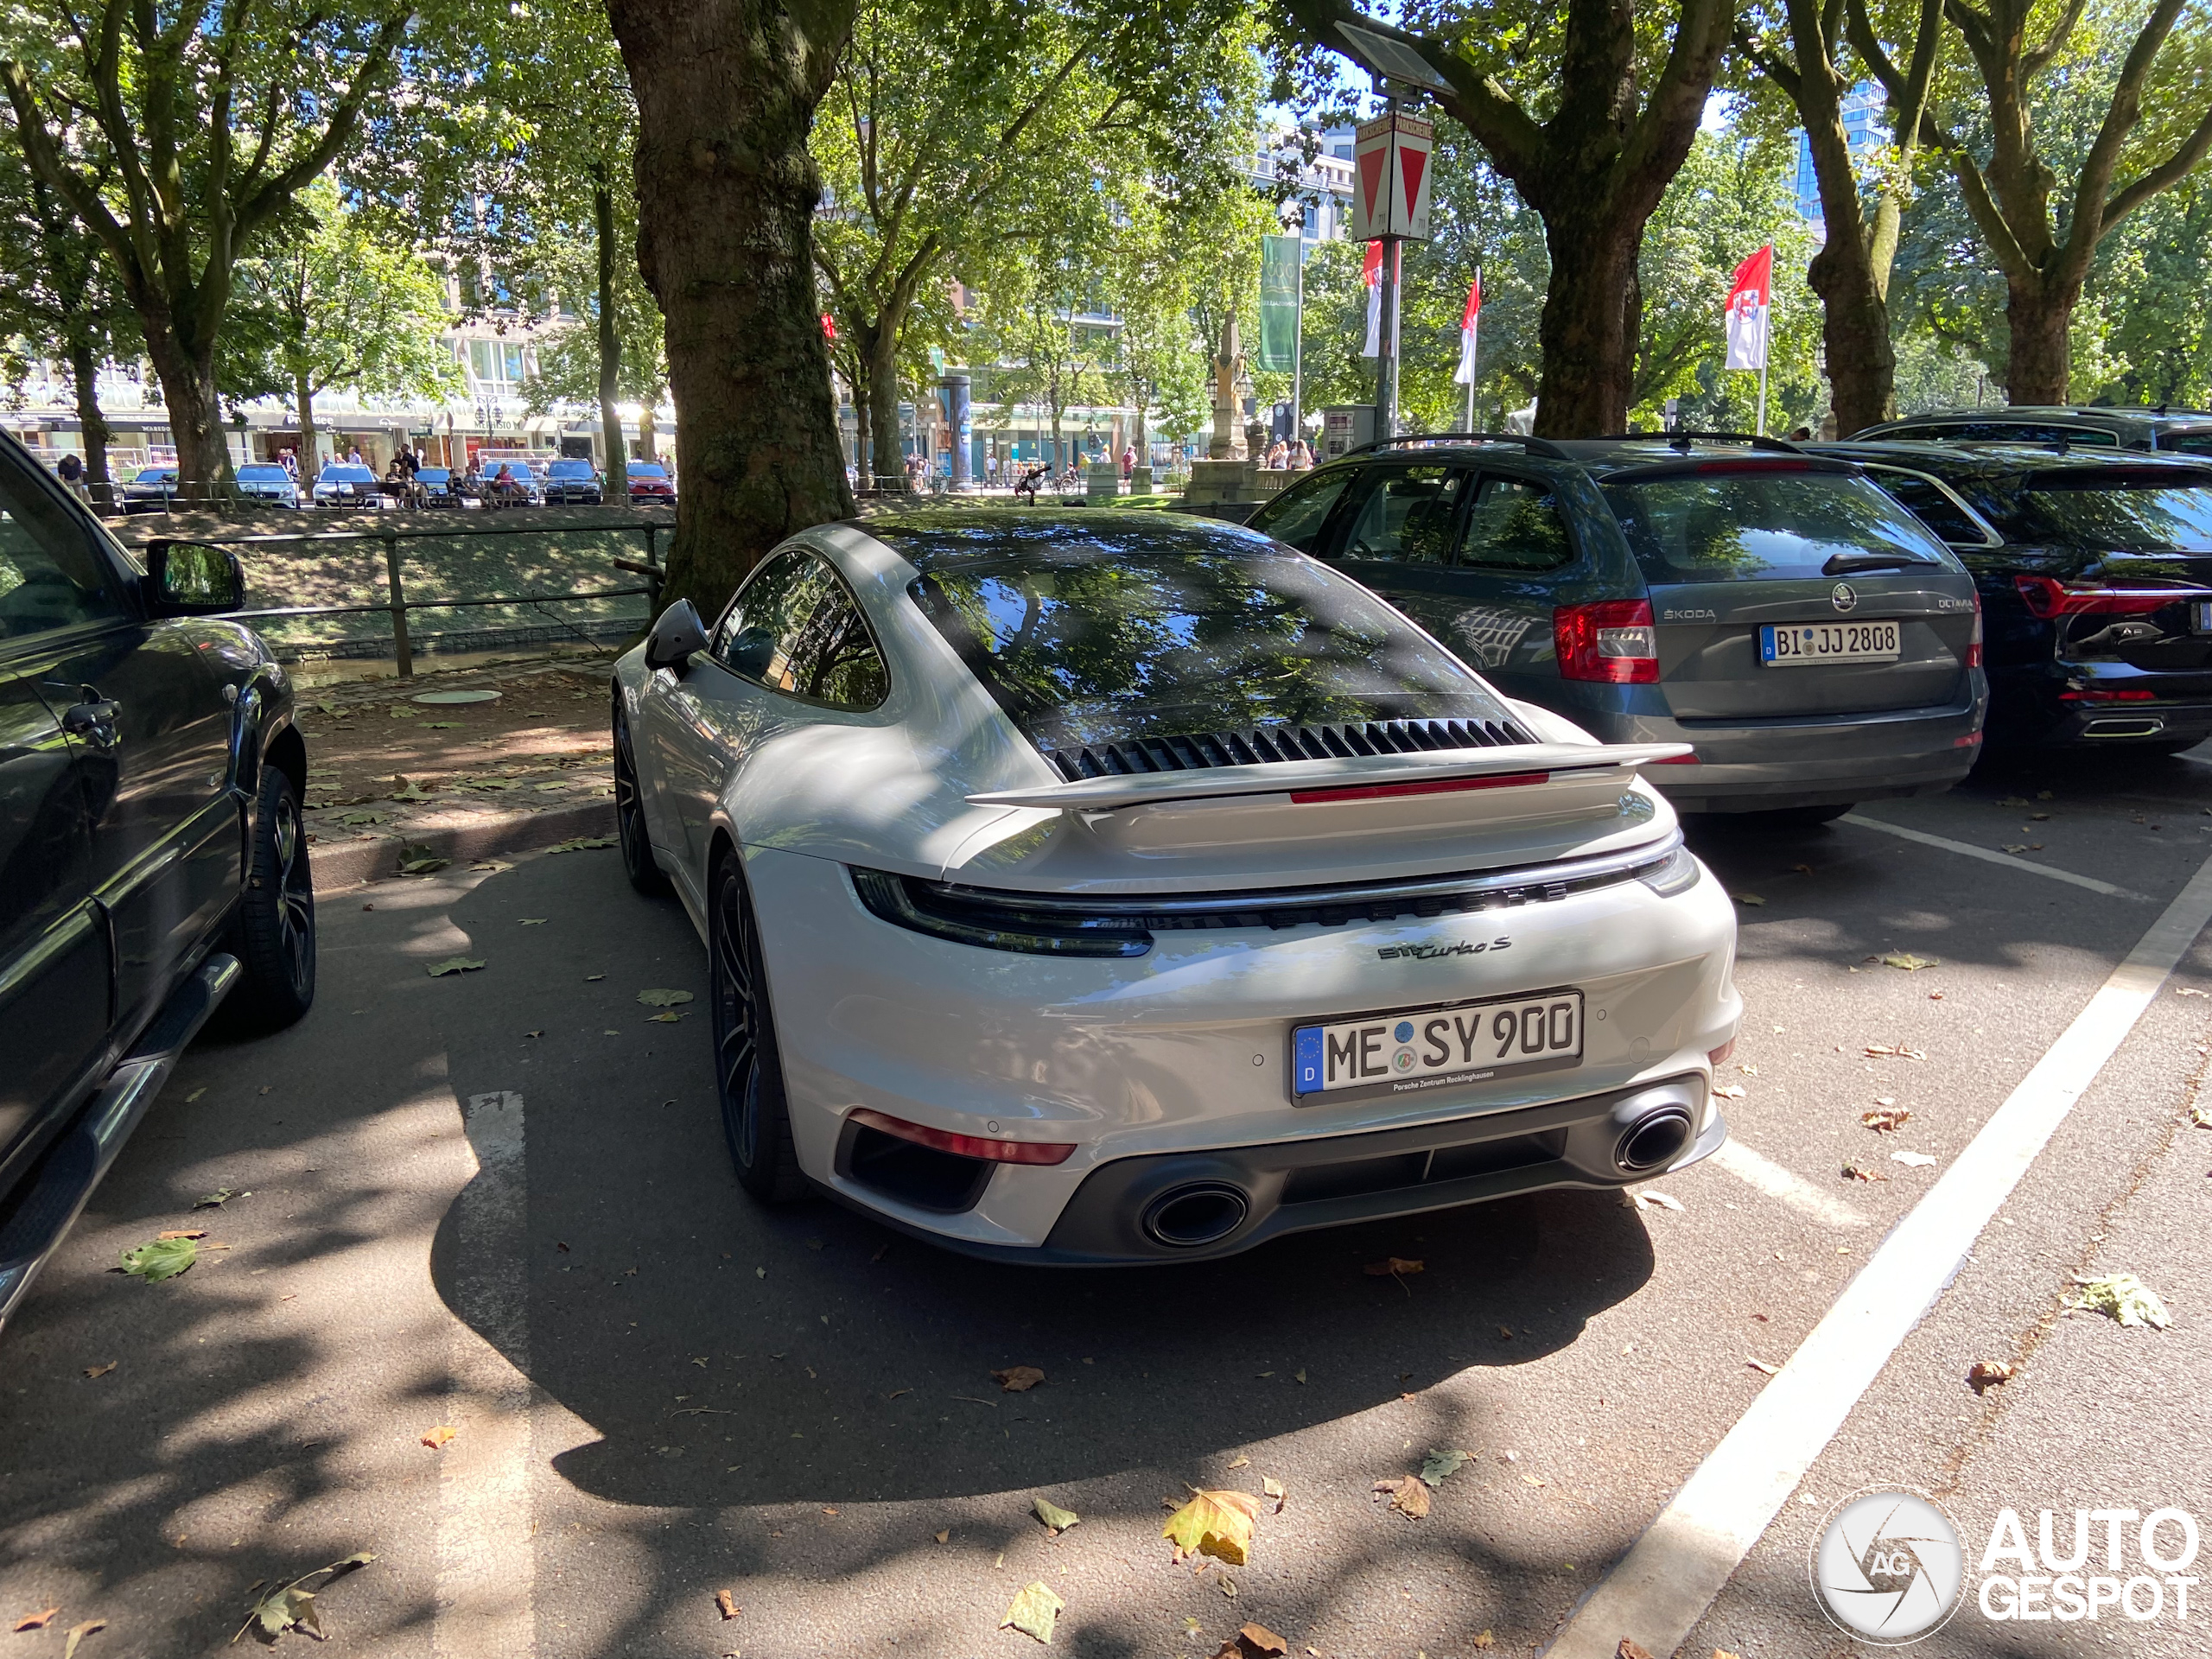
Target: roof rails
1683 441
1543 447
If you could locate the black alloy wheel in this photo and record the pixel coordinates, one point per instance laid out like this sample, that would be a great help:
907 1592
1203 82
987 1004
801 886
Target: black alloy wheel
748 1071
274 935
645 876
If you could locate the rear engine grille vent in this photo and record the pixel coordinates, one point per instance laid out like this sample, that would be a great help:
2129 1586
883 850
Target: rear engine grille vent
1260 745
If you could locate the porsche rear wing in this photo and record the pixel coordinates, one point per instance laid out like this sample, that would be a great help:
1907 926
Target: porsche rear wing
1348 779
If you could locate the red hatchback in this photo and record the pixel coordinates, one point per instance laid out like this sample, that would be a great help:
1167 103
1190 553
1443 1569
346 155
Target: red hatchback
648 481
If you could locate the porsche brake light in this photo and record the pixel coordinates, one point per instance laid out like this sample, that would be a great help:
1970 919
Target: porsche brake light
1611 641
965 1146
1442 786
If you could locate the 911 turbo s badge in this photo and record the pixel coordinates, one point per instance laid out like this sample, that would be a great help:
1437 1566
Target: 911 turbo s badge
1431 952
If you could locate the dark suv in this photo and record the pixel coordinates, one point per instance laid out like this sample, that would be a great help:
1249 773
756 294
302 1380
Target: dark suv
1775 609
2187 431
2095 571
152 862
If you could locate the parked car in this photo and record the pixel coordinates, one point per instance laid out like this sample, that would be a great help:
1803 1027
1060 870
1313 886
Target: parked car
343 484
1816 647
438 486
509 484
650 482
151 489
2096 572
269 483
152 862
2162 427
572 481
1220 902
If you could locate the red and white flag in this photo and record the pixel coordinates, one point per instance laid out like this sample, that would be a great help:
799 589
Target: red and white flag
1469 321
1371 273
1751 302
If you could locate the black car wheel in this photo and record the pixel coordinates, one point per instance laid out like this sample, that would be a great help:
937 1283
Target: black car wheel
629 818
273 933
748 1071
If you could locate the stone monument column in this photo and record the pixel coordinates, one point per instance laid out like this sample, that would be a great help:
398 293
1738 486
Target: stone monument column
1227 442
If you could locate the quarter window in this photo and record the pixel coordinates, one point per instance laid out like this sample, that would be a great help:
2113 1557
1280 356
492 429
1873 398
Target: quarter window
1514 525
1298 515
1406 518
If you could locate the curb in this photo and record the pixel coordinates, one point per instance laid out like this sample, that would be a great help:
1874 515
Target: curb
343 864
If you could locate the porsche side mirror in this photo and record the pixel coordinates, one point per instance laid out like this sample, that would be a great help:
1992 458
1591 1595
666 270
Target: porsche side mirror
750 651
677 637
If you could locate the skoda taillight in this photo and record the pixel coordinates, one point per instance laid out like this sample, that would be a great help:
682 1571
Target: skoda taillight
1612 640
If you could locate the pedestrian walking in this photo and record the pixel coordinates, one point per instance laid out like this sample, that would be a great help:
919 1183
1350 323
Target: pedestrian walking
1128 460
70 469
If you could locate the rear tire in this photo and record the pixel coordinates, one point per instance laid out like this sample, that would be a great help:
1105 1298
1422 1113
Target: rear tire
273 934
749 1068
638 864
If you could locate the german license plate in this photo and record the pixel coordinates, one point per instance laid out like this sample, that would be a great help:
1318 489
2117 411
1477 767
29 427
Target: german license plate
1794 645
1421 1049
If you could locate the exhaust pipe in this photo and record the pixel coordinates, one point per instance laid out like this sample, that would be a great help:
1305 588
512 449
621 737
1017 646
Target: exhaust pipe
1652 1142
2133 726
1198 1213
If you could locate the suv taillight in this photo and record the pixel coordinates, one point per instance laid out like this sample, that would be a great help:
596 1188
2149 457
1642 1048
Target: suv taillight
1974 645
1612 640
2048 597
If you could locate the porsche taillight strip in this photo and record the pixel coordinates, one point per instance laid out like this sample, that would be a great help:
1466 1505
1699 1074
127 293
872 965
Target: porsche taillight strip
964 1145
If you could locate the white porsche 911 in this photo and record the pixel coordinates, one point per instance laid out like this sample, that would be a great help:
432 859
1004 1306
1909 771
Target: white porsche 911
1127 887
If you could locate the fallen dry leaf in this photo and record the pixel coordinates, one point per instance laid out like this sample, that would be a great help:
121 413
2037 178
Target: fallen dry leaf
2201 1116
1394 1265
1629 1648
183 1232
1276 1490
1860 1172
438 1436
1216 1523
1485 1643
1259 1641
1723 1652
452 965
1033 1612
945 1536
1748 898
1911 1159
664 999
1909 962
1018 1379
2123 1297
1407 1496
1056 1519
727 1604
1648 1201
1439 1466
35 1621
101 1371
1885 1119
1986 1374
1729 1090
78 1633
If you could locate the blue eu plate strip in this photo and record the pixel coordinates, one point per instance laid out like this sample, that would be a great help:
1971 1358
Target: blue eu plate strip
1306 1060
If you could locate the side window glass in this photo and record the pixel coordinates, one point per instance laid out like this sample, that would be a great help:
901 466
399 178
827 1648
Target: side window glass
766 610
1298 515
1406 517
832 658
1514 525
1932 507
50 574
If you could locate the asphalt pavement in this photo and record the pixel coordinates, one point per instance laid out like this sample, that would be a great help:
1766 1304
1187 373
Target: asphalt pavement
496 1201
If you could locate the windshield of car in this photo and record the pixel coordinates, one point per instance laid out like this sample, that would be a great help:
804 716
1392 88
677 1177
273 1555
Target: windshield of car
2123 514
1749 526
262 475
1110 632
342 475
156 475
570 469
647 469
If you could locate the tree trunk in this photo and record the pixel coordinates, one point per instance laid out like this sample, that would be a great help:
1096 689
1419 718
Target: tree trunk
85 380
1854 314
303 399
648 432
2039 322
727 190
879 346
1589 343
194 410
610 341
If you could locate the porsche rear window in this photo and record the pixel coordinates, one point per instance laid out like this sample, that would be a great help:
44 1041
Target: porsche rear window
2122 513
1087 636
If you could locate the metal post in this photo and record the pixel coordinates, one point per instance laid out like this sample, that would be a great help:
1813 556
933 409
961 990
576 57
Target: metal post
1298 347
1386 360
1766 350
400 647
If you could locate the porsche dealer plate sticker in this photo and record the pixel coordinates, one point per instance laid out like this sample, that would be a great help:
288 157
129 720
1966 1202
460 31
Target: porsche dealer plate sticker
1796 645
1436 1048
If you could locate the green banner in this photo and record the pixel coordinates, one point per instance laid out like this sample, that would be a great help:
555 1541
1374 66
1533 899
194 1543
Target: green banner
1279 259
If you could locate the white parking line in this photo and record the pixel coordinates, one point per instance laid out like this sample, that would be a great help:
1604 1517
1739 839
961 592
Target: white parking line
486 1561
1657 1592
1777 1182
1988 856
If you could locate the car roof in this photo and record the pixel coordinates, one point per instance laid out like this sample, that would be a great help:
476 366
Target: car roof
978 538
1615 455
1926 456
